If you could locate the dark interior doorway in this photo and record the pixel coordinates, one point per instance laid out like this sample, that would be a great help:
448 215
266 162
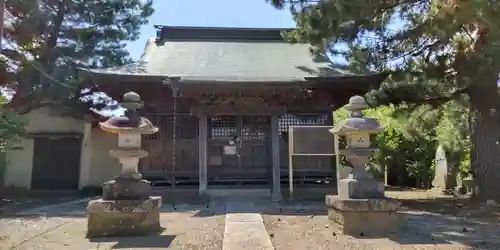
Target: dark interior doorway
56 162
251 163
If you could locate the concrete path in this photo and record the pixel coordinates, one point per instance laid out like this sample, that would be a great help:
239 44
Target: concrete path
244 228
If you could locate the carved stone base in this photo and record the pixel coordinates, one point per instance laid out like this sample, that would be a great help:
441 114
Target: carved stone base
360 188
108 218
364 217
126 188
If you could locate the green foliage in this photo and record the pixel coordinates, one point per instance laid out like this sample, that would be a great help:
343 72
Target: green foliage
443 72
408 145
51 39
11 130
11 127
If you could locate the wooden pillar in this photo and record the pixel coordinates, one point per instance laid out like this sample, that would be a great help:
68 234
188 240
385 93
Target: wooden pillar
275 141
202 152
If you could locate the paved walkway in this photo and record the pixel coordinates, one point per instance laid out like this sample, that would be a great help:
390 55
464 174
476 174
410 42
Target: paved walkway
245 228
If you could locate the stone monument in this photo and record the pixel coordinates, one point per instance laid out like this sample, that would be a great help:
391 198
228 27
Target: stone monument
470 185
126 207
440 181
361 208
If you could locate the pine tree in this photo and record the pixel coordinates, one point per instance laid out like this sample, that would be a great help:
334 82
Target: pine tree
50 38
435 51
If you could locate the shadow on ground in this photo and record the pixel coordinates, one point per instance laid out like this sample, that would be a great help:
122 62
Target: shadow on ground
13 200
75 210
427 222
453 229
454 206
293 208
79 210
141 242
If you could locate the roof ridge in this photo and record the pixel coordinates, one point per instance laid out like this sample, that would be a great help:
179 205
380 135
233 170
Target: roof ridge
222 28
219 33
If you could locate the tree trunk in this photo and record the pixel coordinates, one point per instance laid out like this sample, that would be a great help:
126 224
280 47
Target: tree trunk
485 138
33 89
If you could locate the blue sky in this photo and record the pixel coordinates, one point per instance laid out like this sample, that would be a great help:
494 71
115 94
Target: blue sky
215 13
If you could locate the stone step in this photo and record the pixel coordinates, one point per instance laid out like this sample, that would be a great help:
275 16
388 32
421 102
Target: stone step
244 227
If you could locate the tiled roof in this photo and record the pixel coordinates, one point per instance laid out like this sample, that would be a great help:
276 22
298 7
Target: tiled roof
228 55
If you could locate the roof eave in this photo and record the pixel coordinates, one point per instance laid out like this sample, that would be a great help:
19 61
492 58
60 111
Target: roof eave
122 77
382 76
372 79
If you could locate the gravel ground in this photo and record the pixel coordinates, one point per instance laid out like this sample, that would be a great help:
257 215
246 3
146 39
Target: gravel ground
186 227
432 222
13 200
306 226
315 232
183 232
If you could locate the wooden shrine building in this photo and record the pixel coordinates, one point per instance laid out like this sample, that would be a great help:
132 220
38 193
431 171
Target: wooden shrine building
206 88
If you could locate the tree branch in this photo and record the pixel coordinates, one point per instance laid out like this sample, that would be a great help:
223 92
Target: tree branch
409 93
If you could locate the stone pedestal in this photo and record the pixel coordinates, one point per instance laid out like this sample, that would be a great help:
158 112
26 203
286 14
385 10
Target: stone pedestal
108 218
126 189
470 185
364 217
360 187
126 209
361 209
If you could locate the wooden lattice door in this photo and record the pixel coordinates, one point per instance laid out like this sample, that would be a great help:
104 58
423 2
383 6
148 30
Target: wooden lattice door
255 138
251 137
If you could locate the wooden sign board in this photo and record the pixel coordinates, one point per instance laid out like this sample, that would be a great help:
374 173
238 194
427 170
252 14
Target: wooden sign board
230 150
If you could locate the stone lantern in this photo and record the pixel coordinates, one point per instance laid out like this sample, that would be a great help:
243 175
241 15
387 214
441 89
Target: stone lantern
126 207
360 208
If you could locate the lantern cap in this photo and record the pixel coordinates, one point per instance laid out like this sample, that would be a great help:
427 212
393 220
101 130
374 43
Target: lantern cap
357 122
131 121
131 101
359 125
356 103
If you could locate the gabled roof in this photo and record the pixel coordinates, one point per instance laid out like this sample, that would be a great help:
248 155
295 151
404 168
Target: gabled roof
228 55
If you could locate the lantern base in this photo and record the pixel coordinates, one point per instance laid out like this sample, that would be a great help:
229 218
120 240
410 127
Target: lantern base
115 218
126 188
360 188
364 217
